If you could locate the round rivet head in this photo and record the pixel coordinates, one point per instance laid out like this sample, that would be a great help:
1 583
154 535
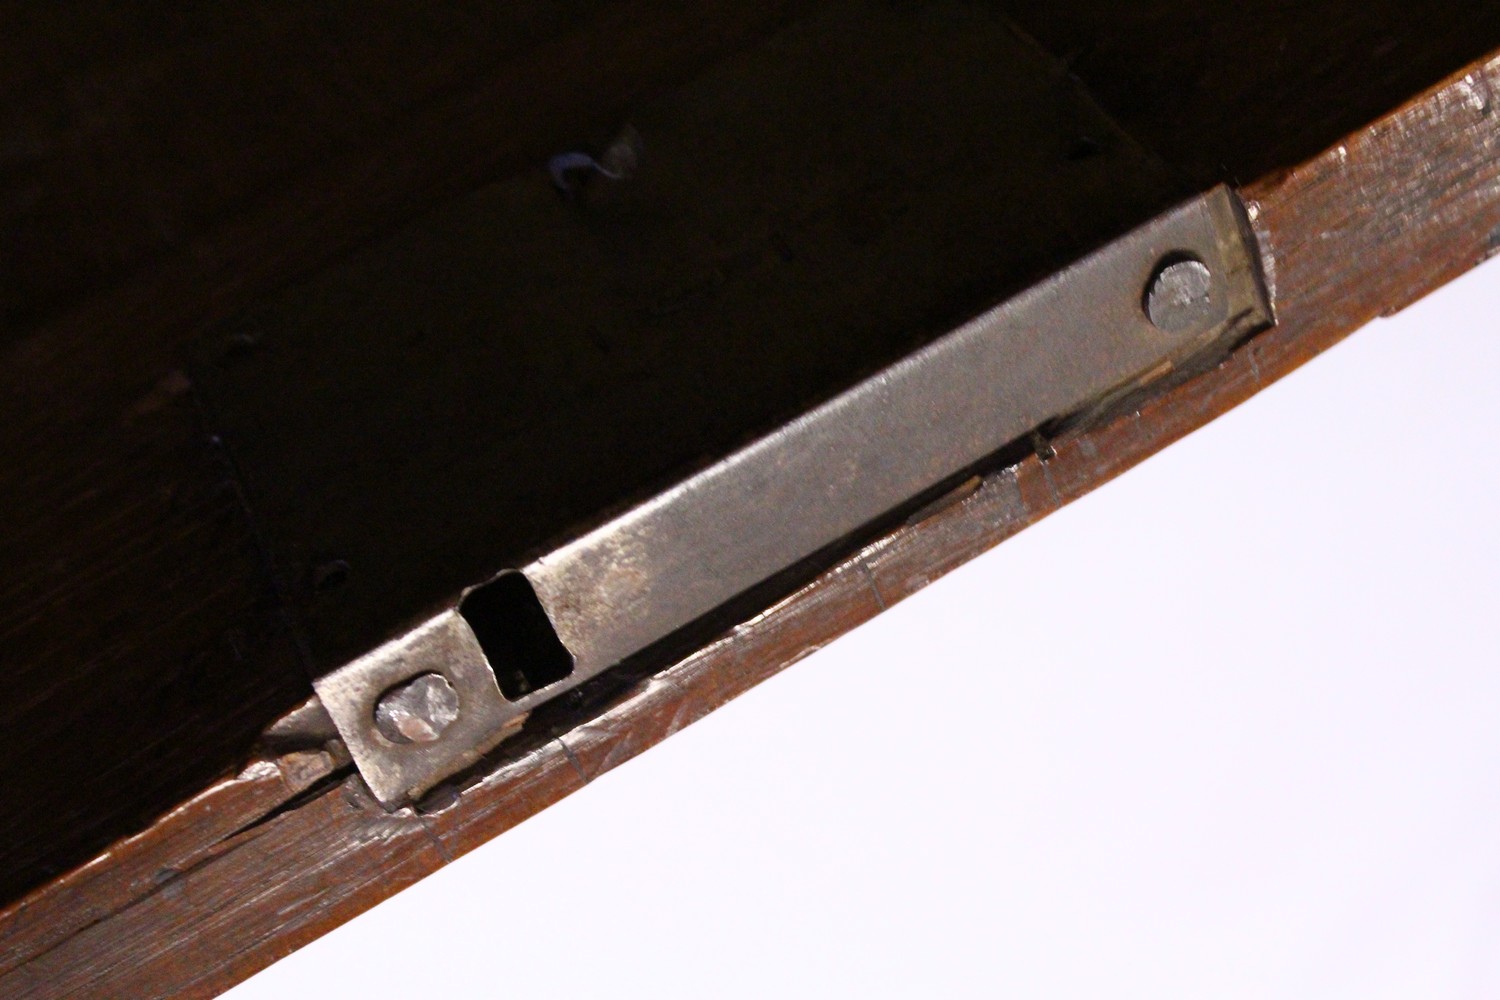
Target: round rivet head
418 710
1180 297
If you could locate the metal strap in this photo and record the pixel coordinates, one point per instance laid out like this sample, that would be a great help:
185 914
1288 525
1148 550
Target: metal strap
1173 291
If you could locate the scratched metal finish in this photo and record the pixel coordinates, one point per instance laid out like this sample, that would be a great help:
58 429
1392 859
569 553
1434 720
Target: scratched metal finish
396 769
490 380
1080 337
1053 350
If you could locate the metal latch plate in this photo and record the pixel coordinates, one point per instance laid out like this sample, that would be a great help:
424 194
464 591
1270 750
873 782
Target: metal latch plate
1179 289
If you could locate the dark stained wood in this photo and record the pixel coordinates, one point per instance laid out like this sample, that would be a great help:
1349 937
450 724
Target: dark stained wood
131 611
144 637
203 827
1234 91
142 645
163 168
1359 231
491 377
224 145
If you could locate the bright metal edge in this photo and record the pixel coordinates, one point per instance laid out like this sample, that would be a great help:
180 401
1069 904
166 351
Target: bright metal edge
661 565
397 772
681 542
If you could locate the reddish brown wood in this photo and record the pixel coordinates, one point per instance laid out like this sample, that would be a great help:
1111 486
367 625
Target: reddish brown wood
1358 232
160 169
1233 91
228 149
202 828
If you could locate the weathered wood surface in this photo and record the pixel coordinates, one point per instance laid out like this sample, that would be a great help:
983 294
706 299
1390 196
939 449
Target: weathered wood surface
221 149
160 169
1359 231
481 384
205 826
1233 91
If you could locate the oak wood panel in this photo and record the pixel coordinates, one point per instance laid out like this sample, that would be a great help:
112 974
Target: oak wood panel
1233 91
149 133
485 382
141 641
161 167
208 824
1359 231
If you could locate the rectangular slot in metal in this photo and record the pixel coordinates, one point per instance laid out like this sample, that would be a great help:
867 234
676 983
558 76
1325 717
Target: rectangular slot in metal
516 636
1177 290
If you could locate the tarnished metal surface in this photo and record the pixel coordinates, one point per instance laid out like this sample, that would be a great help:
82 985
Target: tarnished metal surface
476 388
417 711
1046 353
394 768
1126 315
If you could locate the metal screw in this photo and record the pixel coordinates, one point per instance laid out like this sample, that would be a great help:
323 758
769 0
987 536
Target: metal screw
418 710
1180 297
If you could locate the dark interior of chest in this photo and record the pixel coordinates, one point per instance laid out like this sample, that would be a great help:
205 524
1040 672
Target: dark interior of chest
307 326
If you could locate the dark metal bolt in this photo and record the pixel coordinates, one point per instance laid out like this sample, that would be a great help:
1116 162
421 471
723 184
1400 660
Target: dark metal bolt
418 710
1180 297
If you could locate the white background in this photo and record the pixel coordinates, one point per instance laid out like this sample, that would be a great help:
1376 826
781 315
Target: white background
1225 728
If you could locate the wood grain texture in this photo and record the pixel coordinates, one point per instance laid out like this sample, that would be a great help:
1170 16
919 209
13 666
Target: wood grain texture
1357 232
205 826
160 169
482 384
1233 91
224 146
131 610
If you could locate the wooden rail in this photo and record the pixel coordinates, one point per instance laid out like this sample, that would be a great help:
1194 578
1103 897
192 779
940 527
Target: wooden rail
265 861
